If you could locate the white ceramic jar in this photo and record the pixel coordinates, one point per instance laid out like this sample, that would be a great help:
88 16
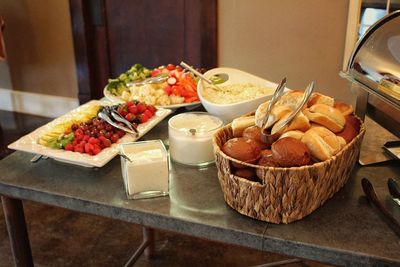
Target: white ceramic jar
190 138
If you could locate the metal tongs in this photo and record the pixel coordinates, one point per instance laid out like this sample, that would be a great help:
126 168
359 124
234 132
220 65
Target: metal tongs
268 137
108 111
370 193
156 79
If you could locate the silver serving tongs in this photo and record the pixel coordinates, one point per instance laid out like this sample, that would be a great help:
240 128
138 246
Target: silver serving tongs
104 116
156 79
277 95
270 137
118 117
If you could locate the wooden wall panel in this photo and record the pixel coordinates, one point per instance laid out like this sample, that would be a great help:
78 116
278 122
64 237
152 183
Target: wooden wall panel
112 35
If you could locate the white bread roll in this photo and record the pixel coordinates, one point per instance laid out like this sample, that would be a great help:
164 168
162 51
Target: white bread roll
241 123
277 112
296 134
291 99
344 108
322 143
327 116
317 98
300 122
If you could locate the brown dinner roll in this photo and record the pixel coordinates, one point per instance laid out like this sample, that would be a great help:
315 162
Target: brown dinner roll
354 121
247 173
267 161
243 149
290 152
351 129
254 132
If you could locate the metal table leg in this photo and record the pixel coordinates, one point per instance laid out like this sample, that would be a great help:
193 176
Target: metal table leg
16 227
147 246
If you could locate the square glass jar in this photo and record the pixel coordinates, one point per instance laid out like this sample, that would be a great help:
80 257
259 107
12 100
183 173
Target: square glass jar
145 169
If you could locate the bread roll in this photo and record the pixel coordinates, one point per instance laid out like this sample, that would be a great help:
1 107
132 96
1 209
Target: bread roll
247 173
354 121
267 161
317 98
351 129
296 134
344 108
290 152
322 143
300 122
277 112
291 99
239 124
246 150
254 132
327 116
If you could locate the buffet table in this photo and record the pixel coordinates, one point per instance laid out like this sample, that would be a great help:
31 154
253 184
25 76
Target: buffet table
346 230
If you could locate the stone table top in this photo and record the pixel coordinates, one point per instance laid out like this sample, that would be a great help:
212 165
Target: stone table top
346 230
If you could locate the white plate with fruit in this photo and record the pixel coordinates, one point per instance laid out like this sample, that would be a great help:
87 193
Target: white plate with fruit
80 137
178 89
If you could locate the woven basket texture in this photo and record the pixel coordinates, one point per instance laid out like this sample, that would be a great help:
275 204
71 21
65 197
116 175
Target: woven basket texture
286 194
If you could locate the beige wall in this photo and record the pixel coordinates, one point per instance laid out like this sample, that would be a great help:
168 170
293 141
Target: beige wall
302 40
39 45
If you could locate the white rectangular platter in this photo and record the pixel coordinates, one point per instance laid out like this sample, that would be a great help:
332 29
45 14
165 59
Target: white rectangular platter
28 143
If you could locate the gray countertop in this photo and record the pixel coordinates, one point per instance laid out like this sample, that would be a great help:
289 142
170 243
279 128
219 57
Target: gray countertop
346 230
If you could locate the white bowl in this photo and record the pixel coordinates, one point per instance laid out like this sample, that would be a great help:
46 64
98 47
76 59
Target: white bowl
228 112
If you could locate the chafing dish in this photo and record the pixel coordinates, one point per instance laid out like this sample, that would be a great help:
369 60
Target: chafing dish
374 72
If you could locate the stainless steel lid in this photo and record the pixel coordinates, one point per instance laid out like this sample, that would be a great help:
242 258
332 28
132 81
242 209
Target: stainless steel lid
375 61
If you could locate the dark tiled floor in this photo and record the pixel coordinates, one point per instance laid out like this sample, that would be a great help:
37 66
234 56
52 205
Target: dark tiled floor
61 237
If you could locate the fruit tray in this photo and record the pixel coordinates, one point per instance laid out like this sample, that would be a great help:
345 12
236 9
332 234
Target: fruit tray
29 142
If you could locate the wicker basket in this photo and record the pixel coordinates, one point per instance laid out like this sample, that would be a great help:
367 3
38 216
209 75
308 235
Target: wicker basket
285 194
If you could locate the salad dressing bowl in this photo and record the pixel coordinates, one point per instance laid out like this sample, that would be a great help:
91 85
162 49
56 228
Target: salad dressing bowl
229 111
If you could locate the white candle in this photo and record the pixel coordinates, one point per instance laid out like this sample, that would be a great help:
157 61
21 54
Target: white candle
190 138
145 169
